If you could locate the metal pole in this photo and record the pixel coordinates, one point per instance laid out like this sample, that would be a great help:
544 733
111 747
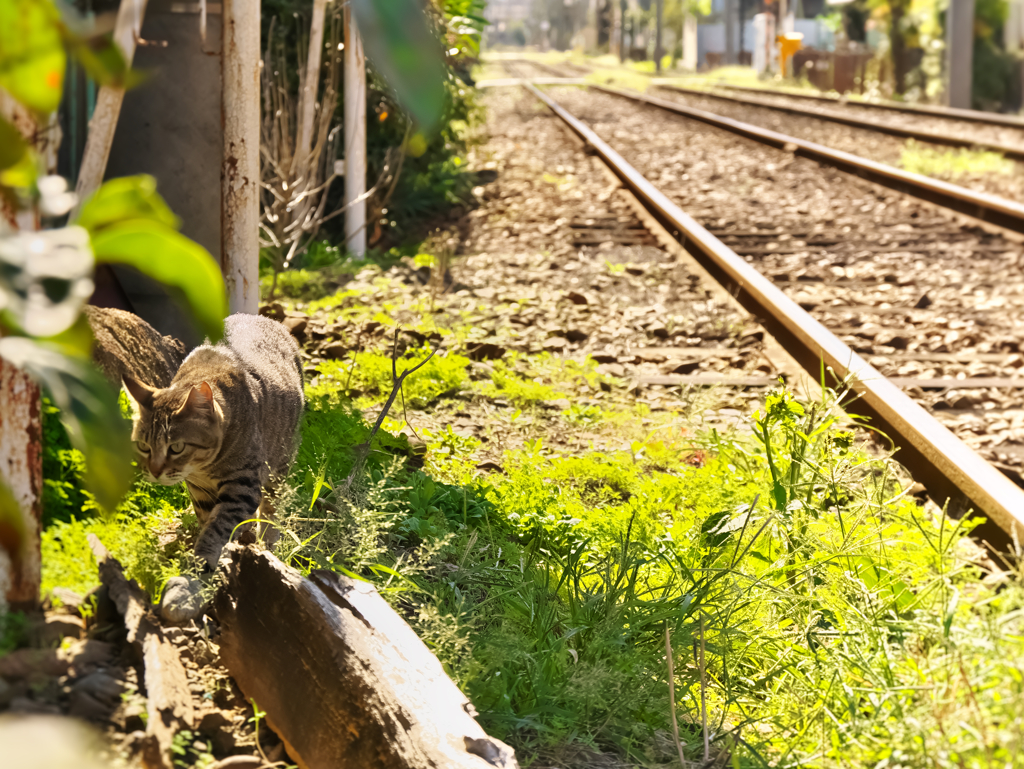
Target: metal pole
959 52
659 14
355 139
622 31
730 31
240 164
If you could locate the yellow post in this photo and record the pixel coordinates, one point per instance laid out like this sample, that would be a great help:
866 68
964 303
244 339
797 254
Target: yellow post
789 43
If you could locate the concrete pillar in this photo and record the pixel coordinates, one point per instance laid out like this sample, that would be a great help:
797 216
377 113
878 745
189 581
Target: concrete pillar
689 42
355 138
959 52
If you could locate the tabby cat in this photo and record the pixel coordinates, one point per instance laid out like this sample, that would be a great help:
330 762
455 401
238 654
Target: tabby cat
226 425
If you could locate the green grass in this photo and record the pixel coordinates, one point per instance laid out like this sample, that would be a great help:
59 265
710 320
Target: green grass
953 163
842 623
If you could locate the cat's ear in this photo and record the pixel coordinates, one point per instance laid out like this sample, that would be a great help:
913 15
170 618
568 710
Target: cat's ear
141 393
200 400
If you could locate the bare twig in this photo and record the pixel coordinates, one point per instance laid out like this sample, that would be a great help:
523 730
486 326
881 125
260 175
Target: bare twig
672 694
363 449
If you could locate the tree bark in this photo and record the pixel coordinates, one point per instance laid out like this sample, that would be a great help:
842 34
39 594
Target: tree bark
344 681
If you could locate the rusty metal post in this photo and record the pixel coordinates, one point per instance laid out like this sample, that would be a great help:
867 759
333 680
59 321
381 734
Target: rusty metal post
240 166
21 456
21 467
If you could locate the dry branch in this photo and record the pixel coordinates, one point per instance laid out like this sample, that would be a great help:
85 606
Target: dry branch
344 681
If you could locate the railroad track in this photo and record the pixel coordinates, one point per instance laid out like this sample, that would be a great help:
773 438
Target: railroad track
846 273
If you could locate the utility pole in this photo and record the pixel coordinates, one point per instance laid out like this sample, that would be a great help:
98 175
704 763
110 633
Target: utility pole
622 31
659 52
355 138
959 52
730 31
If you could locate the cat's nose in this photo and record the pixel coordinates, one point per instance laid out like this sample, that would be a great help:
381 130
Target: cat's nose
155 467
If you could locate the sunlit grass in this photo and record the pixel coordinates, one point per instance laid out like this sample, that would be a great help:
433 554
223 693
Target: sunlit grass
953 163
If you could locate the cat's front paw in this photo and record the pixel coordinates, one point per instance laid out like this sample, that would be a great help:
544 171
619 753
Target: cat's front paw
208 550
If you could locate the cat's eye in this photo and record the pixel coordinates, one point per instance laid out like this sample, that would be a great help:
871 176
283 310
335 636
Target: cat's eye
176 448
142 446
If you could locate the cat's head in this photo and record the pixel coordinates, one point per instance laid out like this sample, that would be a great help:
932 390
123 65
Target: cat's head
177 431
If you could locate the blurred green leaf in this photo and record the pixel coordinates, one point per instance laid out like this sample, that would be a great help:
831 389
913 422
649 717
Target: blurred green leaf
12 145
22 174
156 250
402 48
89 411
75 342
32 56
12 524
103 61
128 197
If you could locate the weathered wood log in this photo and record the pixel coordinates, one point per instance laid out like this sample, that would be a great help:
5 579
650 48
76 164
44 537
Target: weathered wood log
168 699
344 681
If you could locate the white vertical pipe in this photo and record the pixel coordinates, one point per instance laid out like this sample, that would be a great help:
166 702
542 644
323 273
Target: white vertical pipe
959 52
240 164
355 138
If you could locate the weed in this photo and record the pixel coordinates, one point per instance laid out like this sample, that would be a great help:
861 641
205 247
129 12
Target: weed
370 373
953 163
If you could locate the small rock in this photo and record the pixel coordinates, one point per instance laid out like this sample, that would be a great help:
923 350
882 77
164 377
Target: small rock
239 762
334 351
273 310
57 627
7 693
555 343
612 369
94 697
478 351
296 326
68 599
558 403
86 655
181 600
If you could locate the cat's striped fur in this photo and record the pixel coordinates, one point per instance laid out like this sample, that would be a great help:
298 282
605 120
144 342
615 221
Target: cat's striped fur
226 425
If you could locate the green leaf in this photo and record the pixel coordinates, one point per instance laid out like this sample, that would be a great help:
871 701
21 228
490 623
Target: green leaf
89 411
23 173
104 62
156 250
128 197
12 145
12 524
32 56
402 48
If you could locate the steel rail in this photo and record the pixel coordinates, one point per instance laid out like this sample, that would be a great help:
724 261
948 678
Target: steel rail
1017 153
950 113
980 205
950 470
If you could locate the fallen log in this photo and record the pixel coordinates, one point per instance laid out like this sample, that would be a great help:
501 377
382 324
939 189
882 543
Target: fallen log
344 681
169 701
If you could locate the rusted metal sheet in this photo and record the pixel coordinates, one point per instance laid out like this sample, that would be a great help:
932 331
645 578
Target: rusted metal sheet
240 164
21 465
944 464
